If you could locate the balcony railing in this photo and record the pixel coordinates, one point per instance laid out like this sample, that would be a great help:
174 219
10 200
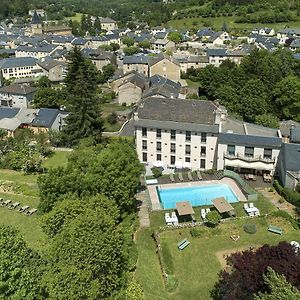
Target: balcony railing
249 158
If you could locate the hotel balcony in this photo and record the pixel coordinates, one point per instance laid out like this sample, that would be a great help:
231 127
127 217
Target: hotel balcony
259 158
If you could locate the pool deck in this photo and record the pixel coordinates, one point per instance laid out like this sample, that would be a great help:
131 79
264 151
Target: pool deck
156 205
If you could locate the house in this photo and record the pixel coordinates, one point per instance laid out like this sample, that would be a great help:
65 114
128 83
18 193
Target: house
36 52
264 31
100 58
98 41
21 67
131 90
81 43
165 67
288 33
46 119
177 132
57 30
204 34
295 44
246 147
16 95
139 63
191 61
162 44
108 24
216 56
36 24
218 38
55 70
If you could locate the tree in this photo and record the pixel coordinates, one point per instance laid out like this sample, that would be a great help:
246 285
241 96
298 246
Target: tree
131 50
248 267
20 267
134 291
128 41
87 258
279 288
267 120
145 44
131 25
47 97
97 25
84 119
115 46
175 37
44 82
287 98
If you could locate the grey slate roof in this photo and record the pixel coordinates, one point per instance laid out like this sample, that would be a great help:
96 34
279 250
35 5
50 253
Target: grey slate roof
46 48
17 89
45 117
177 110
160 80
295 135
15 62
217 52
35 18
136 59
290 156
8 112
285 127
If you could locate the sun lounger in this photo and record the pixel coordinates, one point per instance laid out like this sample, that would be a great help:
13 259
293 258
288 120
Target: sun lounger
14 205
246 176
172 178
184 243
207 210
275 229
23 208
6 202
199 175
180 176
246 206
190 176
203 213
173 215
30 212
251 205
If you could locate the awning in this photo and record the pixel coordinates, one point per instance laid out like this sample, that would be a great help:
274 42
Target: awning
257 165
184 208
222 205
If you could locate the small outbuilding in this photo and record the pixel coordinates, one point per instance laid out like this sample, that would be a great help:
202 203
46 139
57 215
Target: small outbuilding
185 211
223 206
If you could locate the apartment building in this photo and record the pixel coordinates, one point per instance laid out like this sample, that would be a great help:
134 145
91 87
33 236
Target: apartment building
180 133
21 67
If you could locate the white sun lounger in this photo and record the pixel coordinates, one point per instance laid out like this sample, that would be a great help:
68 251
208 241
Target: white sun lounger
251 205
246 206
207 210
203 213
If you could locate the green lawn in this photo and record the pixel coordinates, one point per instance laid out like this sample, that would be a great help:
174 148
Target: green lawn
77 17
196 268
58 158
26 193
217 23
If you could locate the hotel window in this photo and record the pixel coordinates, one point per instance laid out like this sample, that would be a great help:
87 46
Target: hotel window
173 134
172 148
267 153
188 136
144 156
144 131
158 146
187 159
203 151
202 163
231 149
188 149
158 133
158 157
172 160
144 145
249 151
203 137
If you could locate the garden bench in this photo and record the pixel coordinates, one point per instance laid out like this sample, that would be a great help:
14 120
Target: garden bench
275 229
184 243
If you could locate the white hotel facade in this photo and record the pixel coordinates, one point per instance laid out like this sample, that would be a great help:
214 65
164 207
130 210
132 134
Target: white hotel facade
198 135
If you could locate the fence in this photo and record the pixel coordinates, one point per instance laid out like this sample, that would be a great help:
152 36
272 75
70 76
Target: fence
248 191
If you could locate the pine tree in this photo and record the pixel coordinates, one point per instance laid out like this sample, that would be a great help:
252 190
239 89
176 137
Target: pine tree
84 119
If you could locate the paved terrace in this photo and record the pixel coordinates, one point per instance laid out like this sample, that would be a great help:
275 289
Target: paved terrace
230 182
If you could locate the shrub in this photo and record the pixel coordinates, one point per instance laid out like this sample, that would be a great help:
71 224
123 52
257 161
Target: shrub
213 218
197 232
156 172
278 187
112 118
250 228
286 216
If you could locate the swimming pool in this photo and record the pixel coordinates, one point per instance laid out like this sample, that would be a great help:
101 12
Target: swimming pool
196 195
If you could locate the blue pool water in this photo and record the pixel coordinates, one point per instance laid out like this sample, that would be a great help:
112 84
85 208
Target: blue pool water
196 195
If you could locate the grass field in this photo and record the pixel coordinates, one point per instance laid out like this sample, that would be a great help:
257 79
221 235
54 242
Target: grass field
77 17
197 267
26 193
217 22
